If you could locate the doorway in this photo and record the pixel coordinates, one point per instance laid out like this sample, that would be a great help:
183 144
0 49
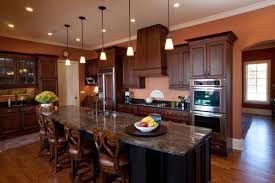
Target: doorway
68 83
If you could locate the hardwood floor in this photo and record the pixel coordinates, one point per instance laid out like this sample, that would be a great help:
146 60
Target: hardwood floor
256 163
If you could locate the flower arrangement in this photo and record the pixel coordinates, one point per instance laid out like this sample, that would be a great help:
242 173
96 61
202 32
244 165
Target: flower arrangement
46 97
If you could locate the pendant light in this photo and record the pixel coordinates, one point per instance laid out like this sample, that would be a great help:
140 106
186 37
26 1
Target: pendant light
67 62
130 50
102 54
169 42
82 58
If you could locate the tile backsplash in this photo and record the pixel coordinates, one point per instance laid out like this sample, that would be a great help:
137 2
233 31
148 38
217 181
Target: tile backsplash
27 93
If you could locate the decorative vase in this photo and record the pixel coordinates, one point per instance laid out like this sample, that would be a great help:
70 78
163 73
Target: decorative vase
47 109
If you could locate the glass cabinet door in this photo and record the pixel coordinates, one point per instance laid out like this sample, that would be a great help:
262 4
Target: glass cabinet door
7 70
26 71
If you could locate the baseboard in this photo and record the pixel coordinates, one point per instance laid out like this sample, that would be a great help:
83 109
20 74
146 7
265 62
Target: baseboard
237 144
257 111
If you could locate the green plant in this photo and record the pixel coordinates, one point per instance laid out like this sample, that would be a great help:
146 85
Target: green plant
46 97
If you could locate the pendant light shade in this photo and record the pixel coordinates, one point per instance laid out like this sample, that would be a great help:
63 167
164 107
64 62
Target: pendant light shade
130 50
67 62
103 55
169 42
82 58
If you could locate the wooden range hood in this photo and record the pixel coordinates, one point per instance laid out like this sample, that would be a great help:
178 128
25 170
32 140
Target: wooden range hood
150 54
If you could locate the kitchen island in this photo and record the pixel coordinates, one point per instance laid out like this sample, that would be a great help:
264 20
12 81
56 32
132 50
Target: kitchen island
180 155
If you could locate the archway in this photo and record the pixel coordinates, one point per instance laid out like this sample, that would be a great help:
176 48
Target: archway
258 86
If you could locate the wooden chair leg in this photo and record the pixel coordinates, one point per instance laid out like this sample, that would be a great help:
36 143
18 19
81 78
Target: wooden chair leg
72 170
55 159
103 176
41 147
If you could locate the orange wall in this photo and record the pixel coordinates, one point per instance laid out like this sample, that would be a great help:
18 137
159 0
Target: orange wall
22 46
251 28
162 84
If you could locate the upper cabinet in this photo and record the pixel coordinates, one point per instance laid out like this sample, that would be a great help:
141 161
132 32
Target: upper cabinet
91 68
17 70
114 55
47 73
150 53
210 55
178 64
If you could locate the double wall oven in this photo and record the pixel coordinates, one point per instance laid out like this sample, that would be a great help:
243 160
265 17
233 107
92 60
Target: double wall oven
208 104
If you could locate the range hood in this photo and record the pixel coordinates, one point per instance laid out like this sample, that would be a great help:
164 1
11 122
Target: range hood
150 52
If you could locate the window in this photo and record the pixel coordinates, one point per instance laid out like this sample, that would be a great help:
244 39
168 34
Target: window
257 81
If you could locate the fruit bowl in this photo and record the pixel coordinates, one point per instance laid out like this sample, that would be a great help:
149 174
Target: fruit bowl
145 129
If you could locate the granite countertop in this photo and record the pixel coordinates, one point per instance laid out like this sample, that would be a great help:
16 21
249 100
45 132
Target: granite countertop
179 139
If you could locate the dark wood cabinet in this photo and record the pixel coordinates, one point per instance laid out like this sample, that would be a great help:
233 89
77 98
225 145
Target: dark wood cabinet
166 113
210 55
112 54
17 120
17 70
198 60
91 68
178 64
29 117
150 53
47 73
10 121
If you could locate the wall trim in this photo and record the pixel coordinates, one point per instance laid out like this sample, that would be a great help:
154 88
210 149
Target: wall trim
266 112
237 144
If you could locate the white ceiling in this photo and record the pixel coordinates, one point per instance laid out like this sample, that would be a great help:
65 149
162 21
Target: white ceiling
51 15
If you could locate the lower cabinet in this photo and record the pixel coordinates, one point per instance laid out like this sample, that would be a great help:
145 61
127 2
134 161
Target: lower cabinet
29 118
166 114
10 121
17 121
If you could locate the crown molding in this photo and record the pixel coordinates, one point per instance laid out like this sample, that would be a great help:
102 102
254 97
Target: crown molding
40 41
211 18
123 40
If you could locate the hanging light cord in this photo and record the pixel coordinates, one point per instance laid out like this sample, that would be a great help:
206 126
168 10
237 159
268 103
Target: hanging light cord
82 36
67 40
129 21
102 30
168 16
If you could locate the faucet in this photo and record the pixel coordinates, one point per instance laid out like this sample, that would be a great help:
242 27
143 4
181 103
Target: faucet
104 103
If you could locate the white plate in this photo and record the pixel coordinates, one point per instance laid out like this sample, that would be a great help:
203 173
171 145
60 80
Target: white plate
145 129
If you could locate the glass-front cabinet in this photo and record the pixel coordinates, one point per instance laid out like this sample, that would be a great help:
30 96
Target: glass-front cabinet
26 71
17 70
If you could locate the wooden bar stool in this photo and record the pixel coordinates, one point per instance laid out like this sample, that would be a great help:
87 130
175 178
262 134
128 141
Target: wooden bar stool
57 141
111 160
44 143
81 149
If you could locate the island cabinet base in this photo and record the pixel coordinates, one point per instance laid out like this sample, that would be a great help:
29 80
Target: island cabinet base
149 166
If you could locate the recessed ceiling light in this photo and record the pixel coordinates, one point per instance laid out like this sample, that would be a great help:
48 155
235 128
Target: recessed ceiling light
77 39
50 34
29 9
11 25
176 5
133 20
103 30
